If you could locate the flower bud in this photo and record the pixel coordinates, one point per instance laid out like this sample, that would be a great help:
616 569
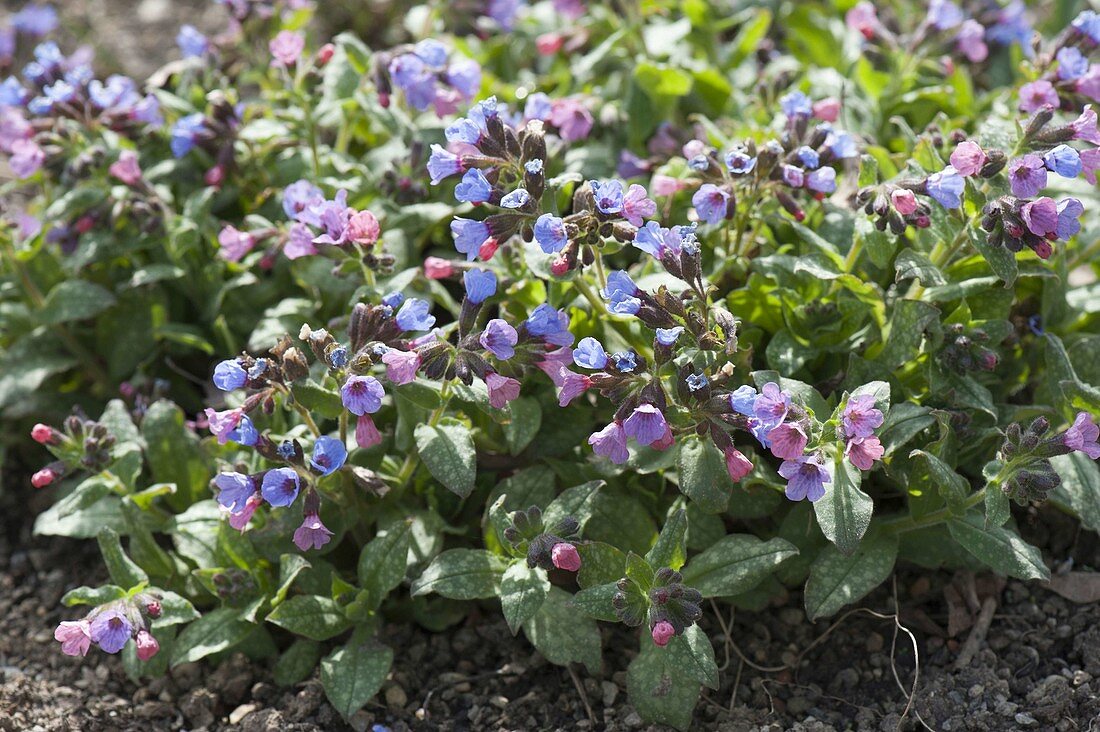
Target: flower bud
662 632
565 556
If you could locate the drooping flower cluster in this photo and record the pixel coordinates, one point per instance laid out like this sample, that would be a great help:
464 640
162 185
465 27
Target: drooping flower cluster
81 444
429 75
666 605
112 626
548 547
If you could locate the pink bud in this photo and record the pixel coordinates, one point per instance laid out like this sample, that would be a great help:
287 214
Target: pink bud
559 267
436 268
905 202
363 228
366 433
43 478
126 168
215 176
662 633
43 434
737 464
549 43
324 54
147 645
84 224
565 556
384 100
488 249
153 608
827 109
968 158
666 185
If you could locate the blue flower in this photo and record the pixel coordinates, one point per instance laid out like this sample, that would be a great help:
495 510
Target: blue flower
433 52
414 316
944 14
463 130
711 203
229 375
695 382
280 486
35 19
362 394
191 42
550 233
481 284
701 162
499 338
740 162
609 196
842 145
743 400
12 93
285 450
533 167
538 107
668 336
338 357
516 199
823 180
806 477
590 354
625 361
796 104
946 187
329 455
469 235
1063 160
808 157
245 433
474 187
443 164
551 325
1088 23
1072 64
185 133
1012 26
234 490
393 300
464 75
621 294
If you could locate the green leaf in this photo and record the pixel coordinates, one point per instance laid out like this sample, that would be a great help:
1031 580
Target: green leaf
703 475
693 652
660 689
561 634
216 631
837 579
577 502
1080 488
75 300
313 616
174 454
382 562
595 601
124 572
906 332
523 422
671 547
844 512
174 609
354 673
951 486
84 524
290 566
999 258
462 574
522 592
912 264
93 595
448 451
662 80
318 399
600 564
420 394
297 662
736 564
998 547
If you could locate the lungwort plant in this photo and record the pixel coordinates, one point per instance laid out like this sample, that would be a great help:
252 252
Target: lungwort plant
593 313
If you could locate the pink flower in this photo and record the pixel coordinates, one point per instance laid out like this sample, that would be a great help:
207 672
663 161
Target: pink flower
13 127
1084 127
662 633
1082 436
1041 216
610 442
572 119
863 451
240 519
637 206
666 185
502 389
1090 161
1036 95
147 645
235 243
860 417
44 477
366 433
436 268
737 465
1089 84
286 47
788 441
968 158
299 242
971 41
74 636
549 43
572 386
401 366
222 423
904 200
555 362
363 228
312 533
565 556
43 434
126 168
863 18
827 109
26 158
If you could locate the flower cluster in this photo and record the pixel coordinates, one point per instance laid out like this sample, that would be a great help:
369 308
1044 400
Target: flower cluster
81 444
665 604
429 75
112 626
548 547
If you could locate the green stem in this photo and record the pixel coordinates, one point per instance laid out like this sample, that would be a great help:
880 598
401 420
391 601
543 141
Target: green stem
585 289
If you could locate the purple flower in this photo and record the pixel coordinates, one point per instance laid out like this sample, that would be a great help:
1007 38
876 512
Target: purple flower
737 465
609 196
655 240
329 455
480 284
662 632
222 423
822 180
401 366
1090 161
234 490
469 235
1041 216
286 47
474 187
499 338
610 442
944 14
550 233
971 41
637 205
740 162
711 203
74 636
1038 94
464 75
1069 210
572 119
235 243
366 432
502 389
301 196
1089 84
668 336
968 158
415 78
443 164
772 404
794 176
26 158
35 19
1082 436
299 242
1027 176
1084 127
362 394
621 294
788 440
806 477
280 486
538 107
572 386
414 316
245 433
191 42
312 534
946 187
646 424
1072 64
1063 160
864 451
110 629
796 104
186 132
860 417
549 324
590 354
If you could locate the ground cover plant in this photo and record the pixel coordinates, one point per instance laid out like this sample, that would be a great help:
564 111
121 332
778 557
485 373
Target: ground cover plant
595 313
